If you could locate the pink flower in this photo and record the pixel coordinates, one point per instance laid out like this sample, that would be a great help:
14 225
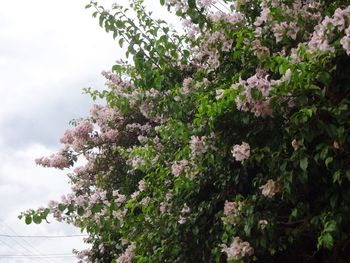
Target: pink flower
58 160
197 145
68 137
241 152
345 42
186 86
185 209
238 249
128 254
205 3
232 211
270 189
182 220
178 167
83 130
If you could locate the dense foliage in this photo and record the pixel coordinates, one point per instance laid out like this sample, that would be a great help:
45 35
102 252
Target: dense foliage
226 143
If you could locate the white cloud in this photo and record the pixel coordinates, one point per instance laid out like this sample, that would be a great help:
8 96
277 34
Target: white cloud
49 51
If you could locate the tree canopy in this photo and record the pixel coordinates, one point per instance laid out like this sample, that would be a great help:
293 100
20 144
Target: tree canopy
228 142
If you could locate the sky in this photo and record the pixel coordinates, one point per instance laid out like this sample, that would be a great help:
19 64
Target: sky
49 51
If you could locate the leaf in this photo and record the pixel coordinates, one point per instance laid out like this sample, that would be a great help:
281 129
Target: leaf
121 42
28 220
328 161
37 219
330 226
336 177
304 163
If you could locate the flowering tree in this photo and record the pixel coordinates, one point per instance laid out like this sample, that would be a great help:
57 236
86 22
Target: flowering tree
229 143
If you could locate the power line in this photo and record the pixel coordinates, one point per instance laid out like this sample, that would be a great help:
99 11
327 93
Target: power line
36 256
41 236
33 249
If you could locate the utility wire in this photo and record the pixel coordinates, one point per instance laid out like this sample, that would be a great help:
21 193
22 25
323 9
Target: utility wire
41 236
36 256
33 249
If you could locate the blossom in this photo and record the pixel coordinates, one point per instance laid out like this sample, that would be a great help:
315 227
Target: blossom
142 185
219 94
185 209
270 188
58 160
245 100
197 145
241 152
145 201
182 220
186 86
128 254
83 130
178 167
295 145
232 211
259 50
238 249
263 223
345 42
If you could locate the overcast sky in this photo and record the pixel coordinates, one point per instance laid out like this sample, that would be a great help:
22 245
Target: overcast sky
49 51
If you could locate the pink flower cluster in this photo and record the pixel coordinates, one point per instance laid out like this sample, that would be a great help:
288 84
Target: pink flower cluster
285 29
245 101
345 41
179 167
118 84
259 50
205 3
197 145
108 120
59 160
128 254
79 137
270 189
324 32
185 90
166 205
231 18
184 212
238 249
232 211
241 152
295 12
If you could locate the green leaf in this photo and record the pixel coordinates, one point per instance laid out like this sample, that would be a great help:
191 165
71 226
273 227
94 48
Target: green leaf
336 177
121 42
326 241
328 161
304 163
28 220
37 219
